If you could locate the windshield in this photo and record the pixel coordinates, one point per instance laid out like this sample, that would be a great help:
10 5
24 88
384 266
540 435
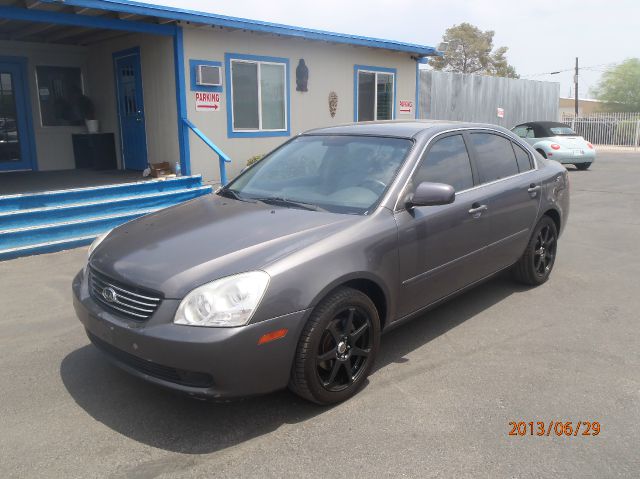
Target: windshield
562 131
341 174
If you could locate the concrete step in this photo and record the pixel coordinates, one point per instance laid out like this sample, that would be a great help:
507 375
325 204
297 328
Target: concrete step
97 208
95 193
54 232
57 220
45 247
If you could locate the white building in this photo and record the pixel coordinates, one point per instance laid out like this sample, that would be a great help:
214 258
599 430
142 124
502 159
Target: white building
151 71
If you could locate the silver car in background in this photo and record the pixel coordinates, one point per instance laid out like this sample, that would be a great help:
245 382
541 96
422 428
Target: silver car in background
557 141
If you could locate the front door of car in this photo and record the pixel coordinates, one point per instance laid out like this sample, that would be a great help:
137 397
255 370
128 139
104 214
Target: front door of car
441 247
514 188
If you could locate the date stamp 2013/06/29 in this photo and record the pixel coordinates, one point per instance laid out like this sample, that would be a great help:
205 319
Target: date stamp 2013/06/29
554 428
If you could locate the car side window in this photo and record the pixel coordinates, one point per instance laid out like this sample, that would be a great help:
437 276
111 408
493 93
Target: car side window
521 131
494 156
447 161
522 157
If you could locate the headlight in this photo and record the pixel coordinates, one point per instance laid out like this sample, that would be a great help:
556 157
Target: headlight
97 242
225 303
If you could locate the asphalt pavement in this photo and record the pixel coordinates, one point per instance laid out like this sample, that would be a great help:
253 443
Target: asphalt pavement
439 404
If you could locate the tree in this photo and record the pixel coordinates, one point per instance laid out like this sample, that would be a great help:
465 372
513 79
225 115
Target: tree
620 86
469 50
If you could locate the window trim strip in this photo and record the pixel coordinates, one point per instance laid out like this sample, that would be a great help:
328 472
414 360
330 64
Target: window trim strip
232 132
373 69
436 137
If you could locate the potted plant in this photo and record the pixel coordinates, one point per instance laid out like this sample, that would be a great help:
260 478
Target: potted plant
89 114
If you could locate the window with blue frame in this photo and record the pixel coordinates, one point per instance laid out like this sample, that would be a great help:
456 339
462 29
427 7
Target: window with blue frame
259 94
375 93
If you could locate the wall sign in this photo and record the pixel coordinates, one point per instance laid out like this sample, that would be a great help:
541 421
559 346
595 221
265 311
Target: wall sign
207 101
302 76
406 107
333 103
500 112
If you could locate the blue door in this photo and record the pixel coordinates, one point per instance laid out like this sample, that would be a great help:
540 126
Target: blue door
131 109
15 135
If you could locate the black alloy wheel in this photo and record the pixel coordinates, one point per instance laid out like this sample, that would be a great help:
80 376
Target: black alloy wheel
344 349
545 250
337 347
535 264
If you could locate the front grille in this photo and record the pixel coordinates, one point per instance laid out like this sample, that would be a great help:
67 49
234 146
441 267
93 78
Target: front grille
173 375
123 300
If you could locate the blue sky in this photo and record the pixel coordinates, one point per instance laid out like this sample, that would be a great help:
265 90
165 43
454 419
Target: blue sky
542 35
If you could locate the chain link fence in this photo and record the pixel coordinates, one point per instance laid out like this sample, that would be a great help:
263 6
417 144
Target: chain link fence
615 130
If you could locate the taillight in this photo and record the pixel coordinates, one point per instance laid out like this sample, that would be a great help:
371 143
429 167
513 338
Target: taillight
555 146
590 145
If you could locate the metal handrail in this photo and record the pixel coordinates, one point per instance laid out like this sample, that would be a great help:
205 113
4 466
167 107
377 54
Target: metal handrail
222 157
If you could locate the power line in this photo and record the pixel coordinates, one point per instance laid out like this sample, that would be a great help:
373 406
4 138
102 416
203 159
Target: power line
611 64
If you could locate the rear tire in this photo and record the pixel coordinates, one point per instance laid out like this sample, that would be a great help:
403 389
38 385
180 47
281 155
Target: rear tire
536 263
583 166
542 153
337 348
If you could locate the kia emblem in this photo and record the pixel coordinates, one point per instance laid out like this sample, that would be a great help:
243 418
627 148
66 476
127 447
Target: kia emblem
109 295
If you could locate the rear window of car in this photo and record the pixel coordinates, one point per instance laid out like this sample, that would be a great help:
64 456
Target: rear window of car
495 157
447 162
562 131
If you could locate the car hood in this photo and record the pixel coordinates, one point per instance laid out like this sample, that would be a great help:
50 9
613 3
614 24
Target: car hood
179 248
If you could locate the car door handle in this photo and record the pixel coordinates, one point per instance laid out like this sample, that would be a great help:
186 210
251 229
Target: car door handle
533 190
477 209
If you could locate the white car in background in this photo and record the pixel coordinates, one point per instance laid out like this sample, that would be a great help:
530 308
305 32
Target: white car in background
557 141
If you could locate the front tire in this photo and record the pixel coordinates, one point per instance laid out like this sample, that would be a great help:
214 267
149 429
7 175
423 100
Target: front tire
536 263
337 348
583 166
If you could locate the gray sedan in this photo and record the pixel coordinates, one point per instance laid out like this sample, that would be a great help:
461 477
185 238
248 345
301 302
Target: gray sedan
289 274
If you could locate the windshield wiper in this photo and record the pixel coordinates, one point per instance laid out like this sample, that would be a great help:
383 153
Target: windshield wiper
233 194
274 200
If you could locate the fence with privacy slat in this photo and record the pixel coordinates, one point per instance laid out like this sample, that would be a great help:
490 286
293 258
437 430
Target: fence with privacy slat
486 99
609 130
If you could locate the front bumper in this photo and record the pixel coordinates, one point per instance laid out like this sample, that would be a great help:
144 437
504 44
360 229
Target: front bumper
217 363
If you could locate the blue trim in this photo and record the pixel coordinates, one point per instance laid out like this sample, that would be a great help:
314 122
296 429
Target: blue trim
173 13
257 133
181 101
356 69
417 104
192 72
222 157
45 16
23 104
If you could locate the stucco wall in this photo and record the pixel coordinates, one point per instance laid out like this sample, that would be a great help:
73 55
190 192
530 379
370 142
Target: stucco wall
54 150
159 92
53 143
331 68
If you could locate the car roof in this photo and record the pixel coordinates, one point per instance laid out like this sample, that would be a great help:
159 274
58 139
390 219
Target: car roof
398 128
544 124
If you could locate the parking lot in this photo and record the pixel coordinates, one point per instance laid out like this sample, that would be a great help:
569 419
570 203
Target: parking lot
439 403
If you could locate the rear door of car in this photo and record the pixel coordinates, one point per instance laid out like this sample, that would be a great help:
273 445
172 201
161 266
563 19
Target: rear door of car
441 248
507 175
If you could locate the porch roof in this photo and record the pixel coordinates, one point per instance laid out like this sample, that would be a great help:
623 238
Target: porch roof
160 14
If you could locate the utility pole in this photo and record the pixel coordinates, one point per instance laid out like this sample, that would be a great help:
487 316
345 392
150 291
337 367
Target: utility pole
575 89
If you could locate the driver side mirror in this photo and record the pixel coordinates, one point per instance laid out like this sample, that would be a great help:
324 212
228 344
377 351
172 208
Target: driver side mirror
431 194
